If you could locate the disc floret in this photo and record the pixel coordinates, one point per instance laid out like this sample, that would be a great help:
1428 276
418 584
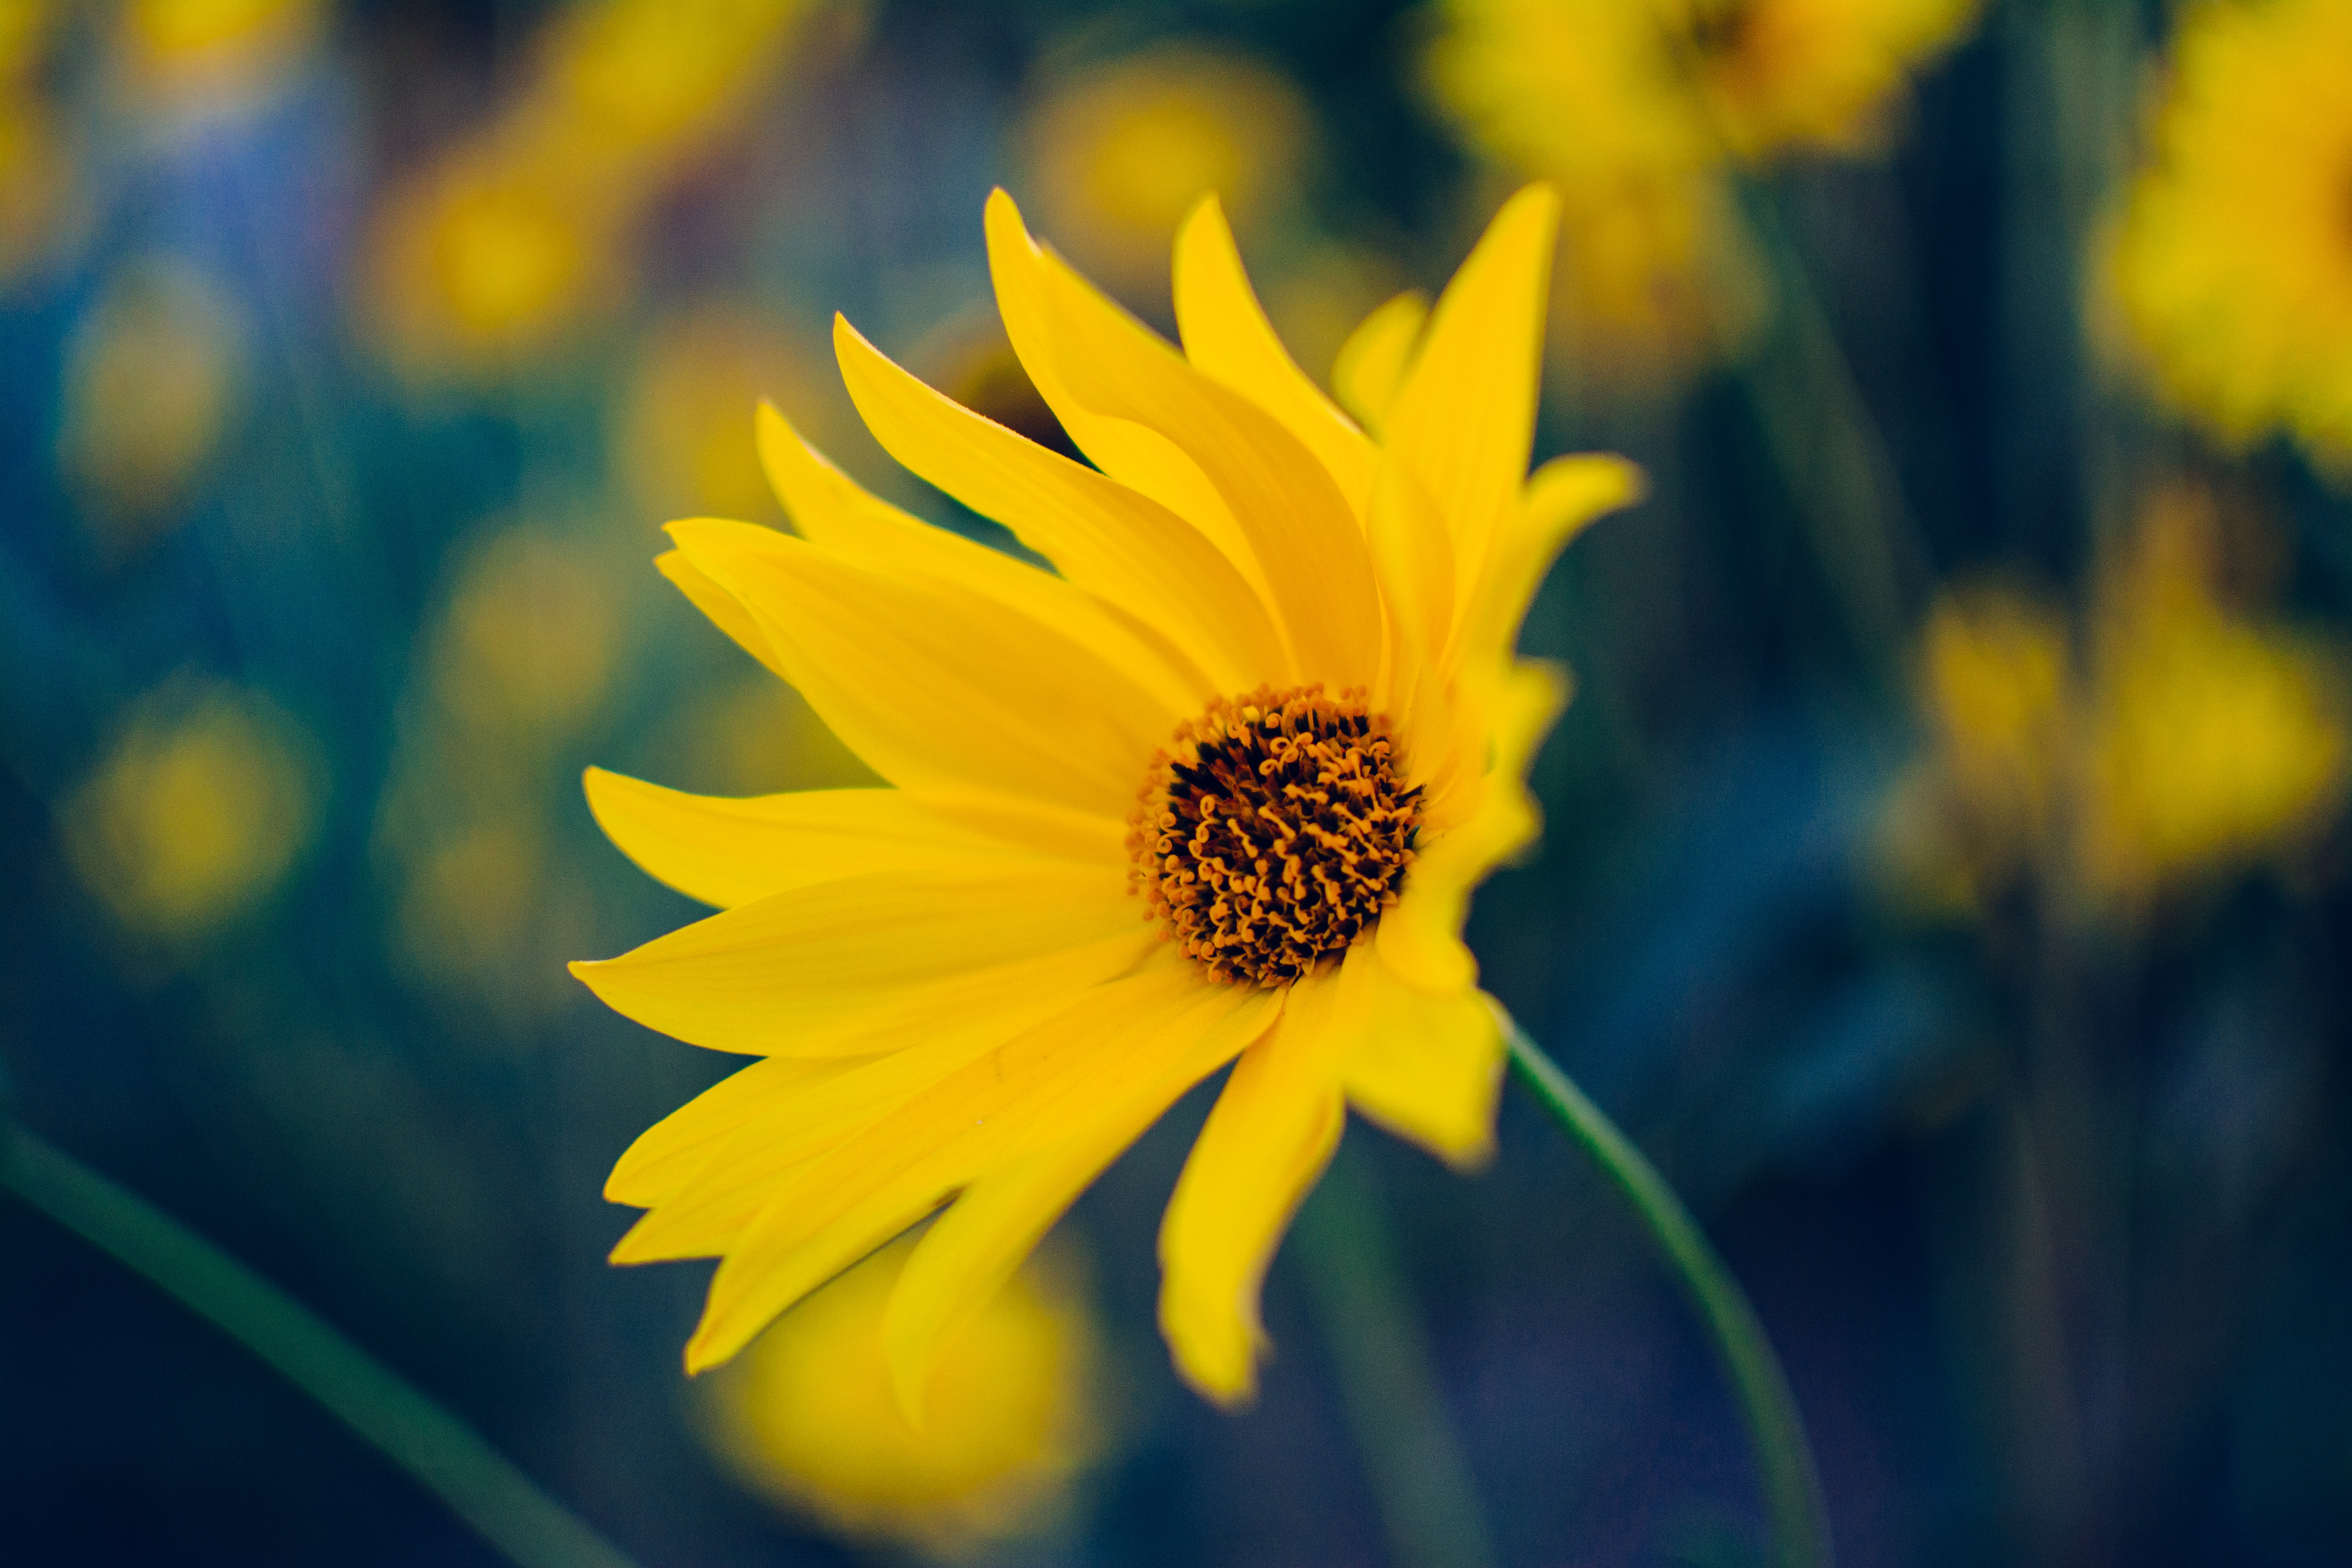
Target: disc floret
1274 832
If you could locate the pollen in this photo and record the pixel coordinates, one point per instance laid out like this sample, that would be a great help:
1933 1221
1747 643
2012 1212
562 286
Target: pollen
1272 833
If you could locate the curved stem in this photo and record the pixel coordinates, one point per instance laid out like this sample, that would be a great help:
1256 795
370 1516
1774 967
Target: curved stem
1793 1487
443 1454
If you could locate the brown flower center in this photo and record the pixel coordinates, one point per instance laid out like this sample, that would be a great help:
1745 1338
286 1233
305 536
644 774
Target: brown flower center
1274 832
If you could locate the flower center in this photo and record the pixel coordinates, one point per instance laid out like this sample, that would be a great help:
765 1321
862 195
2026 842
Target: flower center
1720 29
1274 832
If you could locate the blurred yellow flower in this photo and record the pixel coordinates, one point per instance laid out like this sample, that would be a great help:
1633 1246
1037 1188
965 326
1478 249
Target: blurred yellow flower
1654 274
527 638
36 178
200 806
480 262
25 27
498 253
810 1416
519 659
1637 110
204 53
1118 153
1997 672
635 75
2233 258
1781 74
2211 741
684 417
977 987
153 378
2195 741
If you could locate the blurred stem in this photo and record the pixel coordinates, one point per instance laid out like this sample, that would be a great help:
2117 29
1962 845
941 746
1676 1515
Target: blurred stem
1793 1485
1831 452
440 1451
1420 1480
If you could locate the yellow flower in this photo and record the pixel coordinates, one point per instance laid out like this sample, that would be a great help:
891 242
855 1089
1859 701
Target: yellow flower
1589 94
201 806
519 660
1638 109
1119 154
1217 792
810 1416
2232 261
1780 74
212 53
2211 742
153 378
486 259
2198 741
636 74
504 250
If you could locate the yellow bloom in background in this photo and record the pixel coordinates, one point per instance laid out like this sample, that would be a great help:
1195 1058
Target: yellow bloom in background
1654 274
518 661
1776 75
1998 689
2233 259
1217 792
1118 153
36 179
632 75
811 1418
2211 742
192 54
35 174
201 806
1640 109
503 249
154 376
2197 740
684 420
481 262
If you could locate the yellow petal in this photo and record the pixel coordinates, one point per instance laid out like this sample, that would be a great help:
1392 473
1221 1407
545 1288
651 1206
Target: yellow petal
1104 537
1560 499
976 1245
667 1154
826 1213
737 851
934 686
1272 1133
1465 417
829 970
1140 459
831 511
1427 1066
706 1213
1300 530
1372 361
1226 334
1413 554
724 610
1420 937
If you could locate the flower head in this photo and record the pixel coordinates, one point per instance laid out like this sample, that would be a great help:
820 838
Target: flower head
2193 742
809 1416
1216 793
2233 258
1640 109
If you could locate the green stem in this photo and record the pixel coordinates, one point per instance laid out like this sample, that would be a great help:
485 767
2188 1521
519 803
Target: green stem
1793 1487
447 1457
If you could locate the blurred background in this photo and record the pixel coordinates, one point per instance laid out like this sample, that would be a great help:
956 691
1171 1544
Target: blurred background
1945 851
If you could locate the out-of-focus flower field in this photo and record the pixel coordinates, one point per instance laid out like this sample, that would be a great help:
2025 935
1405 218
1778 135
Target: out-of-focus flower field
1945 875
